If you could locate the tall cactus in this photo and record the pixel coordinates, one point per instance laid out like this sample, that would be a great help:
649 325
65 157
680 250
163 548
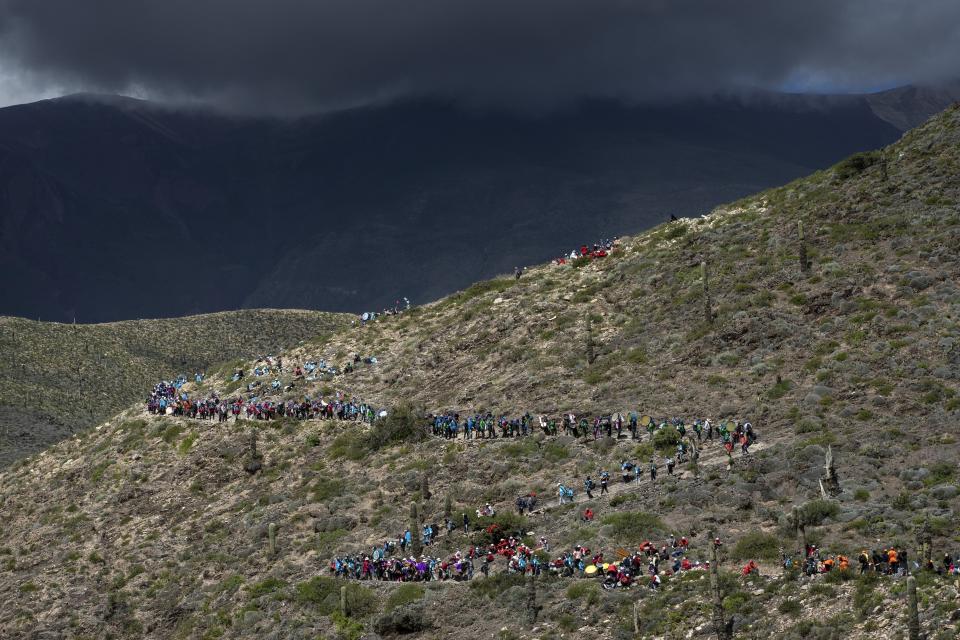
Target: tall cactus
804 259
801 531
424 486
343 601
913 624
719 624
590 344
707 303
272 534
448 507
416 542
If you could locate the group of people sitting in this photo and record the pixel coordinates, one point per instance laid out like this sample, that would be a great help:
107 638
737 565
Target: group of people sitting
598 250
399 306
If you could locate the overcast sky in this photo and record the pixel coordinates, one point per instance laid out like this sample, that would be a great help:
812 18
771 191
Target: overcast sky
295 56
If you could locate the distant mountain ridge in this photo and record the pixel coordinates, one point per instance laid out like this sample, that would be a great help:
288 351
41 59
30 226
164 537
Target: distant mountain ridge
114 208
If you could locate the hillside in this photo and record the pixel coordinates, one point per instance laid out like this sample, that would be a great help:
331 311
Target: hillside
353 210
152 525
56 379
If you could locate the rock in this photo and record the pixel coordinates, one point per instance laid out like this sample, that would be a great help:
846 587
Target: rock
333 523
917 280
917 473
944 491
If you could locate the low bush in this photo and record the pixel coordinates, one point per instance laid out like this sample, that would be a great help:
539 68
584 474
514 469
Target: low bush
633 526
757 545
402 424
408 619
495 585
404 594
489 529
816 511
666 439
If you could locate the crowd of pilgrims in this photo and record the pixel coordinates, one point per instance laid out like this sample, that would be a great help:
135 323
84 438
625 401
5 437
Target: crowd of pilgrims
452 425
170 398
887 560
647 565
167 399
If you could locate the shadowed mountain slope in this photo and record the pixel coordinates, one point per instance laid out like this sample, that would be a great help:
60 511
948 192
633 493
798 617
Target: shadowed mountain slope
113 208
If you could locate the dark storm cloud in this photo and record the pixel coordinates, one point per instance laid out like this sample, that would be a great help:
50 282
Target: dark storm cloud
300 55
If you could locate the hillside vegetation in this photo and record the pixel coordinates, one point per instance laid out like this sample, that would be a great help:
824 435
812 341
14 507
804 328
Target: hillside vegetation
58 378
151 526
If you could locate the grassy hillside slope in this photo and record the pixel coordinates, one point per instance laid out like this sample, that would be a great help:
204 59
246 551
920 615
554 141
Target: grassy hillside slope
57 378
151 526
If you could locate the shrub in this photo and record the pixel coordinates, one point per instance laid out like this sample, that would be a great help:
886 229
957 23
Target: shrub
324 593
666 439
633 526
554 452
360 600
856 164
28 587
326 488
187 443
495 585
780 389
404 594
861 495
940 472
265 587
490 529
402 424
347 445
790 607
584 589
816 511
480 288
320 591
401 621
757 545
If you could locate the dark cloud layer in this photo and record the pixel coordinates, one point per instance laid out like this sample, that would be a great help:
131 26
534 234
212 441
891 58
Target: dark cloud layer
288 56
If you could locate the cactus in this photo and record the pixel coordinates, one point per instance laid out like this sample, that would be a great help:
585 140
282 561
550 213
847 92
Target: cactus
255 458
590 344
424 487
272 534
694 457
343 601
913 624
448 507
416 542
707 304
719 625
804 259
